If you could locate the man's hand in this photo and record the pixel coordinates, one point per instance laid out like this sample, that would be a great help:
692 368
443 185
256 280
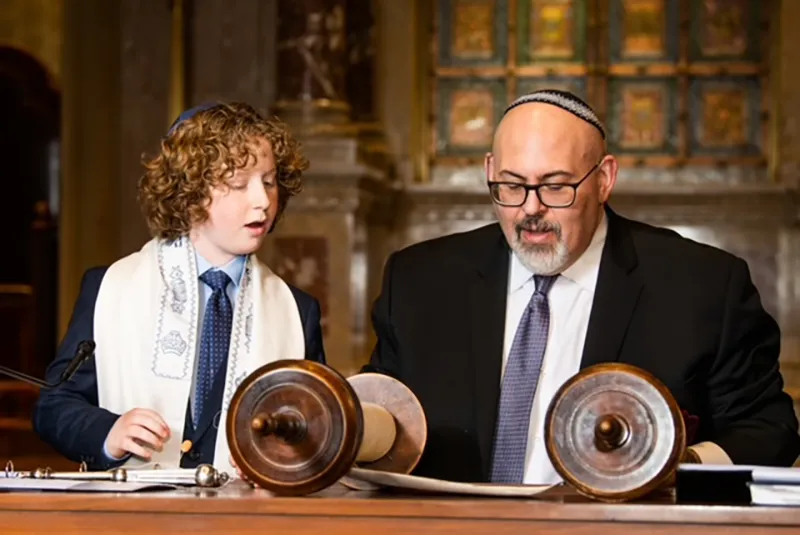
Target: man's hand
139 432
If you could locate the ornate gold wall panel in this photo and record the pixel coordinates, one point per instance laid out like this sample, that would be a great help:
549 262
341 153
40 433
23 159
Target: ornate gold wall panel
683 85
699 98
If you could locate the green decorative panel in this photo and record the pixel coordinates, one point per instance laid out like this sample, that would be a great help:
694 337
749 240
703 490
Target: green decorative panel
724 30
469 110
473 33
551 30
642 118
725 116
643 31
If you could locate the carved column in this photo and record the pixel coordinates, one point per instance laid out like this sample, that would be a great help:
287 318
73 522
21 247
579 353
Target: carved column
332 241
89 211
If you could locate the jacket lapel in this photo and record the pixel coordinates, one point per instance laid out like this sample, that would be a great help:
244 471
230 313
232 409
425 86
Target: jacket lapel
487 294
616 294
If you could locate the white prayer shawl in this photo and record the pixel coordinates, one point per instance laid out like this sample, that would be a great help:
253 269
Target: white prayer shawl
146 335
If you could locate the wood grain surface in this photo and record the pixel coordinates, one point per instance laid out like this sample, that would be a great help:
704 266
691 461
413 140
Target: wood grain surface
238 509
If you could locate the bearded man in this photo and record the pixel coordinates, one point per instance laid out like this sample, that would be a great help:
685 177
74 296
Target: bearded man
485 326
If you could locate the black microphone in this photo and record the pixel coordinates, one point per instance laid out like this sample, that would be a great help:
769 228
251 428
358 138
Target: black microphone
82 354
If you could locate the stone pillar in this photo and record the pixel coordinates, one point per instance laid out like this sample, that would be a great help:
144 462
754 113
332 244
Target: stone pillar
145 114
786 106
230 51
331 242
89 219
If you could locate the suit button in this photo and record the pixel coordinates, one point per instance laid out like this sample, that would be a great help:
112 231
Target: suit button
194 455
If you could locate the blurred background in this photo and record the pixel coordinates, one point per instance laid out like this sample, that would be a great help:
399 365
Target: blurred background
395 101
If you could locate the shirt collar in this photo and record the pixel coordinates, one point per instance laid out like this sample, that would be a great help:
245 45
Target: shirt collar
583 272
233 269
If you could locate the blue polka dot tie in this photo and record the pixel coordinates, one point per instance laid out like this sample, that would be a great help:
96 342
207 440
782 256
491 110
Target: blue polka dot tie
215 338
519 386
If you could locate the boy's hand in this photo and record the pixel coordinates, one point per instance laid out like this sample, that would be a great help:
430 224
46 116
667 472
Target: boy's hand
139 432
239 472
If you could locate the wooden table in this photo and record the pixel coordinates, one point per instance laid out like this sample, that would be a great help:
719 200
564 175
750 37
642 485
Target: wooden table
237 509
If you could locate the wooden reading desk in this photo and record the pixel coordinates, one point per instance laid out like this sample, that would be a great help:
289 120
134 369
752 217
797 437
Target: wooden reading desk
238 509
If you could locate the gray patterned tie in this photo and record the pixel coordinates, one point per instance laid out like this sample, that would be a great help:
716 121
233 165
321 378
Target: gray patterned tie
519 385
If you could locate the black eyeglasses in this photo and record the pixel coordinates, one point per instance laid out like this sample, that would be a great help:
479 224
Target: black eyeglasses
551 194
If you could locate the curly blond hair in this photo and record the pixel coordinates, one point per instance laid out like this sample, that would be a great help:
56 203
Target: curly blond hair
203 151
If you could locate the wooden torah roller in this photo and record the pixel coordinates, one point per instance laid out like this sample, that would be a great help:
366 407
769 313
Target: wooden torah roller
614 432
295 427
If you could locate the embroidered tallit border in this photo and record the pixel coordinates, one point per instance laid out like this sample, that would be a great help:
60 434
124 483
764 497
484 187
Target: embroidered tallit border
172 342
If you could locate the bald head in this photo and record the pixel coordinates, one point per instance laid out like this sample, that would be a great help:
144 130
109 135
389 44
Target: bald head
538 127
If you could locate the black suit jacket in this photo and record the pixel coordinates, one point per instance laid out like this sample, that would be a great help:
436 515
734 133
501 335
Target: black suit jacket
68 417
686 312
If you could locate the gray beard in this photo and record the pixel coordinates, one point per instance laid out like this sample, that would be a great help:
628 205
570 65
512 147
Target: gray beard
542 259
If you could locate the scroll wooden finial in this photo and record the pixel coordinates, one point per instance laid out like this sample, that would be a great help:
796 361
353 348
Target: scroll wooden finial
614 432
296 426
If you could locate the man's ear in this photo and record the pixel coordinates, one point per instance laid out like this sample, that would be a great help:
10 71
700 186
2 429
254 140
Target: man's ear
608 177
488 165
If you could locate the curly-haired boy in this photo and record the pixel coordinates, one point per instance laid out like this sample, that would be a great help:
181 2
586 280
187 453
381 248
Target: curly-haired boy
179 323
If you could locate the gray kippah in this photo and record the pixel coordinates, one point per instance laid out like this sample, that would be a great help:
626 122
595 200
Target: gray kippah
564 100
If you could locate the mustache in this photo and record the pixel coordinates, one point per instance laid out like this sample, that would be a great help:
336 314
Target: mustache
537 223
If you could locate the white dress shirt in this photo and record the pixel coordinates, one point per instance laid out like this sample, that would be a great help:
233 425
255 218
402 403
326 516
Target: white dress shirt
570 300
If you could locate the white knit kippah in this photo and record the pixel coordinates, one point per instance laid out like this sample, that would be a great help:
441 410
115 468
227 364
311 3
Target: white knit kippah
564 100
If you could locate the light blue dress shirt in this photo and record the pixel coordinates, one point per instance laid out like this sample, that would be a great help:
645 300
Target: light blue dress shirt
235 270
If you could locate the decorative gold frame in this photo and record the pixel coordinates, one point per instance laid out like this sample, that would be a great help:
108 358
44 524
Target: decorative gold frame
598 72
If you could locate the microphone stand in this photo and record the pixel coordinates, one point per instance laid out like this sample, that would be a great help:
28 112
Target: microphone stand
82 354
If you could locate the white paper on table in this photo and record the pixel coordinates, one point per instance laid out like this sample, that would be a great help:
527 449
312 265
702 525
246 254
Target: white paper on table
773 495
409 482
66 485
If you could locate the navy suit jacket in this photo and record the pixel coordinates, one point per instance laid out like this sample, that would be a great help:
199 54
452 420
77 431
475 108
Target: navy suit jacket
69 419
